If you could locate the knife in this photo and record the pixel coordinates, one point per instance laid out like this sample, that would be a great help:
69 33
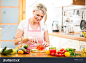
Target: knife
21 41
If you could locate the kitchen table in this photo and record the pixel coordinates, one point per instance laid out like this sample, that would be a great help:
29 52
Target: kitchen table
32 54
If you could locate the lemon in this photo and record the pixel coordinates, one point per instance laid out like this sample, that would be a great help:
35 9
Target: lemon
67 54
47 51
13 51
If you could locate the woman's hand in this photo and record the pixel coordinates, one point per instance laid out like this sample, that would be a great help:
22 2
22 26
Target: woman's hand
31 39
25 40
45 44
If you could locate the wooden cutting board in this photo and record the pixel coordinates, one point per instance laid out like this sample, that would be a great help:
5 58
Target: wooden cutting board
39 51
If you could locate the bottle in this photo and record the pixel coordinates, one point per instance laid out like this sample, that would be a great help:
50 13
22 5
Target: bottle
81 47
83 51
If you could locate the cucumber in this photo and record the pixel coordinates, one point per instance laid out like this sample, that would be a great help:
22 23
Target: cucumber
3 49
7 52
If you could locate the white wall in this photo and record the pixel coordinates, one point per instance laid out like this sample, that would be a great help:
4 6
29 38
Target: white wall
85 2
53 13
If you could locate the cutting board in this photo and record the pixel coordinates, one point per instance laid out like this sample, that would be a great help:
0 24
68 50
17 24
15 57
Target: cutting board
39 51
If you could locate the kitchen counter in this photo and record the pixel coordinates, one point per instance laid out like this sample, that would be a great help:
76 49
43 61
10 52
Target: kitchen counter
74 36
43 54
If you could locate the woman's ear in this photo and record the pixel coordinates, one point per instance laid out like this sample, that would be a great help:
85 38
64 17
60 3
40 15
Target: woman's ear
33 12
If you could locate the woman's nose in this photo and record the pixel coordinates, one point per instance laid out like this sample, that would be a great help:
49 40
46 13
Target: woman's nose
39 17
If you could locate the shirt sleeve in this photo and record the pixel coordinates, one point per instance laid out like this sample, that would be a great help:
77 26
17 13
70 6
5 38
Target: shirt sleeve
46 27
21 25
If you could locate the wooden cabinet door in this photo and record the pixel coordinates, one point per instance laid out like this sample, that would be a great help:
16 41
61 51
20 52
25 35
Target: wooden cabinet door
70 43
11 13
78 2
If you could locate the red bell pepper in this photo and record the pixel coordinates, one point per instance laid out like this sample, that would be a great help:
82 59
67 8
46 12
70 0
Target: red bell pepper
52 49
27 51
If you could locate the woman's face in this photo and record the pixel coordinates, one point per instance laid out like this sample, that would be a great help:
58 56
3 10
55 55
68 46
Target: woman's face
38 15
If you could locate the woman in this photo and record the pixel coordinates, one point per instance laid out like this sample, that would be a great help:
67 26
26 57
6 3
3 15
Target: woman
32 30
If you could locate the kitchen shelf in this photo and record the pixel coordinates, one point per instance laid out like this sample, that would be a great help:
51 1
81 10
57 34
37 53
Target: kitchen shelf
68 7
74 13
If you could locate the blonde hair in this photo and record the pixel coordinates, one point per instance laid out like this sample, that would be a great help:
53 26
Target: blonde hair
42 7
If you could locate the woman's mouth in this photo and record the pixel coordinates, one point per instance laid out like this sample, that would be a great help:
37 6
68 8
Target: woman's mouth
37 20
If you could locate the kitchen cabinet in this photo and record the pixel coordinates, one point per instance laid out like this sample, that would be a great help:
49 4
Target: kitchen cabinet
64 43
54 41
70 43
78 2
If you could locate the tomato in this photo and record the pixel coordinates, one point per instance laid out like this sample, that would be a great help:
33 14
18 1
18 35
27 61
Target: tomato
57 54
52 54
60 55
61 52
61 49
63 55
67 54
64 51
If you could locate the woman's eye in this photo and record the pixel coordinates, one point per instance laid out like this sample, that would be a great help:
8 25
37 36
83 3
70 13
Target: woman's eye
37 15
41 16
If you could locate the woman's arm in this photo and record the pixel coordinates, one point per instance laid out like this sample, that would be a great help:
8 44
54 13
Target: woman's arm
46 37
18 36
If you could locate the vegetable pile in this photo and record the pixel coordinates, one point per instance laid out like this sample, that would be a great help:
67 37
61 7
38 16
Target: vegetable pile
68 52
19 50
72 54
24 50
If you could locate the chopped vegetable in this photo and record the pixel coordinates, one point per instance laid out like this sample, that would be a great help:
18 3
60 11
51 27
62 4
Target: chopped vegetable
40 47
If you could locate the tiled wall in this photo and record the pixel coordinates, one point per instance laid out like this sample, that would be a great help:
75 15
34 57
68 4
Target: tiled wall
8 32
9 14
8 44
10 3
